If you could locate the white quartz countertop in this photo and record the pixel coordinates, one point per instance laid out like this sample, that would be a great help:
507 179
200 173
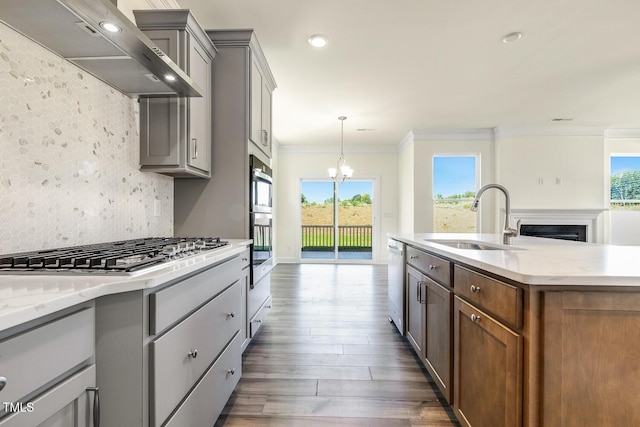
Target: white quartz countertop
28 297
540 262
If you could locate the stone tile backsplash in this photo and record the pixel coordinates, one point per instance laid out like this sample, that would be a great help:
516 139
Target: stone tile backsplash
69 152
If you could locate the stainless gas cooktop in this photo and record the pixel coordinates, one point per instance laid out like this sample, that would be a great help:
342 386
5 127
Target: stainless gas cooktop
122 257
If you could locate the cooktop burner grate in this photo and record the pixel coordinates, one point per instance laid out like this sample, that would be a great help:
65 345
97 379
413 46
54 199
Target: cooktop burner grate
124 256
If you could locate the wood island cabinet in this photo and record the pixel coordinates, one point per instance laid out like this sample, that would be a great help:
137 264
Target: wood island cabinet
429 315
591 359
487 369
175 133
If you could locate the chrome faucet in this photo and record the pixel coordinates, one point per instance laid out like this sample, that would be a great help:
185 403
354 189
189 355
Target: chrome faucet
508 232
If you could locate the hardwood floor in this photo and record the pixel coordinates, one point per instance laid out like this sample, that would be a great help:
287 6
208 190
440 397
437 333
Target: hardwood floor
328 356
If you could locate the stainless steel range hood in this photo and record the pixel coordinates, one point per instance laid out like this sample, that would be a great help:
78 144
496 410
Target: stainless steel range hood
127 60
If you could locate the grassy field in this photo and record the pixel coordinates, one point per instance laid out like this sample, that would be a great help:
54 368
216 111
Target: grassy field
449 217
347 215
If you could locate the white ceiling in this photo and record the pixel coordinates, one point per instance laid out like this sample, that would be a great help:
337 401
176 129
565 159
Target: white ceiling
396 66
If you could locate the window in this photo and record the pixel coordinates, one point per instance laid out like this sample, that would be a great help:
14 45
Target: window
454 188
625 183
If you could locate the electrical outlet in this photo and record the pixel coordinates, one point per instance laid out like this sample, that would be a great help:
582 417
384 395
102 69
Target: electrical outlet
540 181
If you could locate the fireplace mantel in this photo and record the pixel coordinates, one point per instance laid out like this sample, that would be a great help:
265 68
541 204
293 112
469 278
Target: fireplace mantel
588 217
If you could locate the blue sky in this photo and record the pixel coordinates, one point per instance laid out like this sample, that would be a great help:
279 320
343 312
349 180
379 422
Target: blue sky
623 163
453 175
319 191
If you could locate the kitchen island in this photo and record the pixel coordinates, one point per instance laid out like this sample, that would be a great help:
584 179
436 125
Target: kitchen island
538 333
160 346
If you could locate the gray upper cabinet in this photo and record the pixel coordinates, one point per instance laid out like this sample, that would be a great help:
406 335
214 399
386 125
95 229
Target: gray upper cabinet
261 89
175 133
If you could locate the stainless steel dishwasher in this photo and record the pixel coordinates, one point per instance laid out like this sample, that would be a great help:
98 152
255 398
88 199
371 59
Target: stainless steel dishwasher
396 288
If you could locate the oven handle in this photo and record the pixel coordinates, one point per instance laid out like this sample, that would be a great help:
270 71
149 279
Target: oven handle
257 173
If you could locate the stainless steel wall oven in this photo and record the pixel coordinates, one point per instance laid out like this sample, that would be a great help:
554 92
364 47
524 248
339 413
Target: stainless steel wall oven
261 218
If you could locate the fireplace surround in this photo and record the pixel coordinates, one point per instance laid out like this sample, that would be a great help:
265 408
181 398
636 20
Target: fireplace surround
567 224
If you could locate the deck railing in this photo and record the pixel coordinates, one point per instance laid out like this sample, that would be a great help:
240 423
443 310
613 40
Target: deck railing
350 238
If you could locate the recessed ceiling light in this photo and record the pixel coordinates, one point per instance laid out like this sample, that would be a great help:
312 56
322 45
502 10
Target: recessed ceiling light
318 40
110 26
560 119
512 37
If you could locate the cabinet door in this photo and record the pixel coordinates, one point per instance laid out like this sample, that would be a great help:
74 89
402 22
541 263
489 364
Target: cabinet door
255 131
199 110
487 370
591 347
266 119
438 350
415 309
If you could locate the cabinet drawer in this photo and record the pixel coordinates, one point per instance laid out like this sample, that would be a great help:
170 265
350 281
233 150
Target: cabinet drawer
171 304
501 299
258 295
205 403
256 322
33 358
180 357
433 266
67 401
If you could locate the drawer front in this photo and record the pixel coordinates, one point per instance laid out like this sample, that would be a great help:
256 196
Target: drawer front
256 322
180 357
68 397
501 299
433 266
205 403
33 358
258 295
171 304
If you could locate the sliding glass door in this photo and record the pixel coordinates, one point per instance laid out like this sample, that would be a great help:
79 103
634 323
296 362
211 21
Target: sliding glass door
337 220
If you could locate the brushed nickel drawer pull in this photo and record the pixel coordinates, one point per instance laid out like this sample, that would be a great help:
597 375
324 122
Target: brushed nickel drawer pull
475 318
475 289
193 353
232 314
231 371
432 267
413 257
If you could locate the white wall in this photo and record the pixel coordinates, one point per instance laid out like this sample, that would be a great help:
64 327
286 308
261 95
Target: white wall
294 165
416 169
575 158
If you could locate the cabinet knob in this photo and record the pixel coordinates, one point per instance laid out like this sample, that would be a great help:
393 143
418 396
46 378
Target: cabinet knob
413 257
475 318
258 321
475 289
193 353
232 314
432 267
3 382
231 371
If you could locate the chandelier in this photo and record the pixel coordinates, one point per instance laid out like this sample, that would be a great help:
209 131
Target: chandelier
345 171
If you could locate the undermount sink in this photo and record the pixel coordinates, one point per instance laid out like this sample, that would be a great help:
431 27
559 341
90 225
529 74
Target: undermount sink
469 244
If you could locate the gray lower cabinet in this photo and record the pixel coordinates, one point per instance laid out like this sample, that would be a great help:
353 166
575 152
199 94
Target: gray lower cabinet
50 382
175 133
160 352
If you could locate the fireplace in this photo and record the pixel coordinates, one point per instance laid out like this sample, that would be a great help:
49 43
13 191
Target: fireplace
577 233
581 225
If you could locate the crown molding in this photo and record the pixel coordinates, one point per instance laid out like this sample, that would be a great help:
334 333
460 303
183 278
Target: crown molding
163 4
501 132
622 133
377 148
484 134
